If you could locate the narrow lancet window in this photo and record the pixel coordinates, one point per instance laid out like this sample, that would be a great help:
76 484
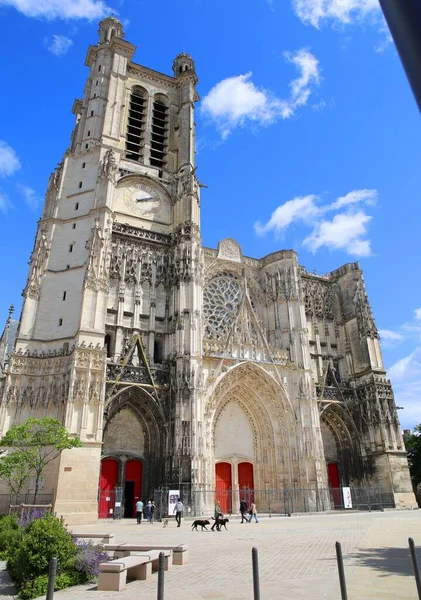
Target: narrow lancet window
136 125
159 134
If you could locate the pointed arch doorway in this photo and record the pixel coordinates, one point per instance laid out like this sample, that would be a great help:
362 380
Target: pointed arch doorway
246 481
132 487
223 481
107 482
334 482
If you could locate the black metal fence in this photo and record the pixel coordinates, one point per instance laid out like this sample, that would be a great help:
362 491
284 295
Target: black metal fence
7 500
110 503
284 501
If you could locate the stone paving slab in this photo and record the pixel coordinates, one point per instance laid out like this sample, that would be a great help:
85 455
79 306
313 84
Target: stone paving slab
297 558
7 589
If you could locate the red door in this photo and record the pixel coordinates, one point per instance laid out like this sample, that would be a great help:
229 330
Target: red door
223 486
334 481
246 481
107 483
133 487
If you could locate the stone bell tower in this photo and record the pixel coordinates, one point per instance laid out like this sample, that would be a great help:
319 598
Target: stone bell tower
110 321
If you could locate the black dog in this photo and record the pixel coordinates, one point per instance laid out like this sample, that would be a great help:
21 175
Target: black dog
219 523
200 523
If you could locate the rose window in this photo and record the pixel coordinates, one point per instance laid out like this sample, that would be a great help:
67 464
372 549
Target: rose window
221 298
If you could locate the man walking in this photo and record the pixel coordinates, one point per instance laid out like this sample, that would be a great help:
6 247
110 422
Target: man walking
148 511
218 515
243 511
139 511
178 509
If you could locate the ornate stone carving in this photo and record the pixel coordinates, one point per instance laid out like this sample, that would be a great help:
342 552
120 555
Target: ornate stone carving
108 166
56 176
96 277
187 182
229 250
37 265
221 300
142 234
363 312
318 298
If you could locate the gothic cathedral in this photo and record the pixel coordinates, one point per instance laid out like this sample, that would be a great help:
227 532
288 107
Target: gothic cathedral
179 365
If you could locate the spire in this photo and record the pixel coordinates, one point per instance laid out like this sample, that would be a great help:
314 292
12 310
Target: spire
7 338
110 28
183 62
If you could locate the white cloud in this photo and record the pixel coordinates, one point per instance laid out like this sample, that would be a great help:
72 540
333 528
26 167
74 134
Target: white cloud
9 161
234 101
60 9
405 375
347 230
308 65
344 232
315 12
340 13
408 367
407 395
390 338
4 203
32 200
60 45
301 208
368 197
418 314
388 334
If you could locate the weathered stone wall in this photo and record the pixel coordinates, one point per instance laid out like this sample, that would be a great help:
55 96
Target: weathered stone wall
124 434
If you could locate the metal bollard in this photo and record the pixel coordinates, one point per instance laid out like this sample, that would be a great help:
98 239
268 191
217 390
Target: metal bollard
256 584
415 565
161 571
341 571
52 571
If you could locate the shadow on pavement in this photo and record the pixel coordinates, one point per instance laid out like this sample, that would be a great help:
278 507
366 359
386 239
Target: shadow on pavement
391 561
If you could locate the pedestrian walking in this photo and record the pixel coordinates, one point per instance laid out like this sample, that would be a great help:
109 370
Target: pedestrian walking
217 515
253 512
139 511
178 509
148 511
152 512
243 511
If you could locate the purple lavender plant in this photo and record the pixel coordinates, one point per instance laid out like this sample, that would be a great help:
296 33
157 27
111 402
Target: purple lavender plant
89 557
28 516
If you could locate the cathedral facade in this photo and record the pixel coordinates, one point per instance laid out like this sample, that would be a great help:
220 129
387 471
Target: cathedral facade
178 365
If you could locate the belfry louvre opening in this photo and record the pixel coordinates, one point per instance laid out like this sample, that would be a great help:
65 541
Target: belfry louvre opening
159 134
136 125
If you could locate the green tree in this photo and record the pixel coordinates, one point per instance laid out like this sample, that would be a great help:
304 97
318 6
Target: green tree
15 469
38 442
413 447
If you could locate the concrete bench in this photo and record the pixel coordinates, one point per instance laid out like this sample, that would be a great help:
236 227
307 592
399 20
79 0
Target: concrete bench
113 574
105 538
180 554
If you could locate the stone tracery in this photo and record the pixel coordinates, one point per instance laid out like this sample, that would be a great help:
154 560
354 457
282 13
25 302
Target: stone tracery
221 300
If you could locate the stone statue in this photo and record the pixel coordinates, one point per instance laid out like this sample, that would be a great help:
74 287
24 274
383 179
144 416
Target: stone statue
108 166
38 263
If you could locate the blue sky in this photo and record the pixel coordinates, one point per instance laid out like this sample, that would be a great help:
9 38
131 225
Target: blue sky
307 137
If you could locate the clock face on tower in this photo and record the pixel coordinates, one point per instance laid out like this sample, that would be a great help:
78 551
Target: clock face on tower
142 200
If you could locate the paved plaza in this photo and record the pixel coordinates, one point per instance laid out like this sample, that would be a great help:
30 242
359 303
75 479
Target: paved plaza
296 557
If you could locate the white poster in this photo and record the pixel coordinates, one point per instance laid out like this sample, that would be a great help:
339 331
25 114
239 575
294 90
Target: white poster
173 496
346 491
